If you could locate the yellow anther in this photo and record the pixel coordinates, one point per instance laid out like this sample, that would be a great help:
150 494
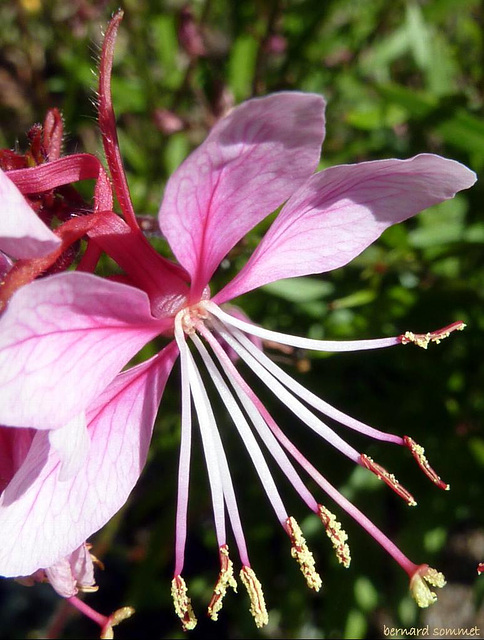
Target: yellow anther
420 339
115 618
183 604
336 534
418 453
225 579
257 602
301 553
419 588
423 339
95 560
388 478
87 588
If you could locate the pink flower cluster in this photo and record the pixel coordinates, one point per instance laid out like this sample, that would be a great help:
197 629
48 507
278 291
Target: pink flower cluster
69 460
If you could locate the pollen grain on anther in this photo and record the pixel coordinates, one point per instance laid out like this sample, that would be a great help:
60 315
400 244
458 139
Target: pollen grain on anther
418 452
388 478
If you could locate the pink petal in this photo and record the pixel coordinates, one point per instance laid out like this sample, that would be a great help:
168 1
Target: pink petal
82 566
251 162
71 443
62 340
43 519
68 573
22 233
341 211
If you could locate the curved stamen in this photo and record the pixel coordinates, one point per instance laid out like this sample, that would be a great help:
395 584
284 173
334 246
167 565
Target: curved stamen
303 343
420 339
287 398
245 433
340 500
299 548
246 397
309 397
105 622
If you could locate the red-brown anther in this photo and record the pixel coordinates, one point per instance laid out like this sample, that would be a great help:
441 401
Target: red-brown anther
480 567
423 339
258 607
301 553
183 604
388 478
226 579
418 453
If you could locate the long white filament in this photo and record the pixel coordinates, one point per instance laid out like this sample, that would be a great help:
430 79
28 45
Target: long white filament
207 427
296 341
225 477
185 449
287 398
241 387
245 433
309 397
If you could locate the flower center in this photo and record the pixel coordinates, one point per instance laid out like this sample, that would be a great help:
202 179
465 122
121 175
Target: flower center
190 317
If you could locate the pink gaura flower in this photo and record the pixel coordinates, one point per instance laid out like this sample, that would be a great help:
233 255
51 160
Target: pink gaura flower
65 338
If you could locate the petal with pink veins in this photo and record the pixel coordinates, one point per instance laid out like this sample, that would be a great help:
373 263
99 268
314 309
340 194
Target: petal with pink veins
22 232
43 519
341 211
72 445
250 163
62 340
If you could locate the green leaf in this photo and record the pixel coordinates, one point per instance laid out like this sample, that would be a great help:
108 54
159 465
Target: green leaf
418 36
419 104
464 131
242 66
176 150
299 289
366 595
442 224
166 46
355 625
435 539
476 445
357 299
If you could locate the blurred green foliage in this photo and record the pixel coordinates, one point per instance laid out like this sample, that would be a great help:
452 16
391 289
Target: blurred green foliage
400 78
